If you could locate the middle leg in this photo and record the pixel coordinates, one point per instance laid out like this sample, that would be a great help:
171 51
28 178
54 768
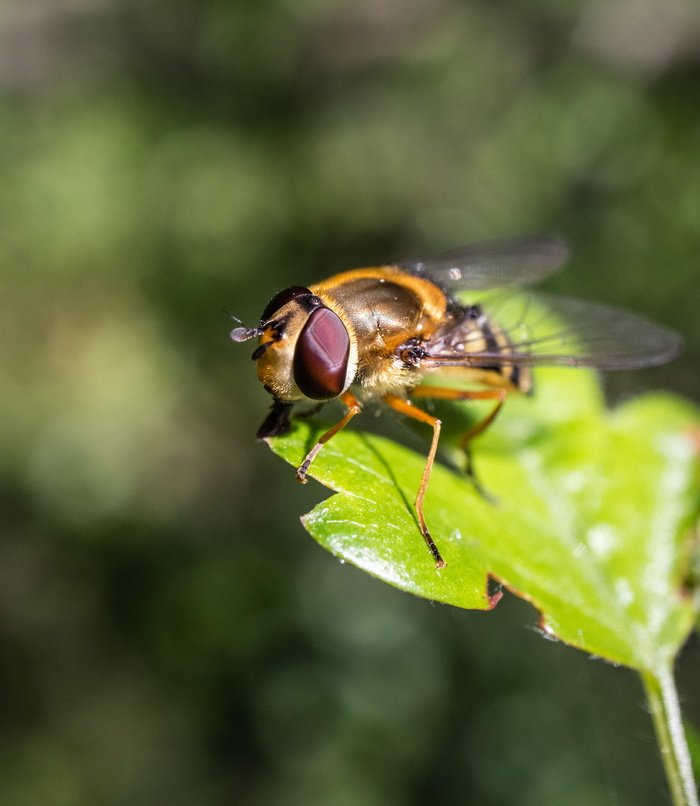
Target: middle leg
447 393
406 407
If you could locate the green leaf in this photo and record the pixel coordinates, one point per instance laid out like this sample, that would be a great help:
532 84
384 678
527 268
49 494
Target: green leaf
594 514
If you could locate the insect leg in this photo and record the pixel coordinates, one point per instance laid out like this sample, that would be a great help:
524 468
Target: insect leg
353 409
406 407
445 393
499 395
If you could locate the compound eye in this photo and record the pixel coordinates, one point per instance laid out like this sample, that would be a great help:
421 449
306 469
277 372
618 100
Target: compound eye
321 355
281 299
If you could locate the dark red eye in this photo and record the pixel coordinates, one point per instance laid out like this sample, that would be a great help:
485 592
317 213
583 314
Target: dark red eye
281 299
321 356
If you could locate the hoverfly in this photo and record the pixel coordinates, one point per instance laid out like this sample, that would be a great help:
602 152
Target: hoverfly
376 333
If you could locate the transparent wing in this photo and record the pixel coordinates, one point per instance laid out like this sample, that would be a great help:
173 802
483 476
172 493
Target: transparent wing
531 329
493 264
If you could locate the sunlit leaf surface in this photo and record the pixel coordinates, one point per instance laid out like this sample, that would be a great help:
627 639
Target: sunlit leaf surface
592 519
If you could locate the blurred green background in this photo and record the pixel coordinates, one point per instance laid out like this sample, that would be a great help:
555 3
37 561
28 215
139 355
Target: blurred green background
169 634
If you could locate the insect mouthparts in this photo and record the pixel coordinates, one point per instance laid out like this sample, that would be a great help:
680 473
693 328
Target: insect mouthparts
260 350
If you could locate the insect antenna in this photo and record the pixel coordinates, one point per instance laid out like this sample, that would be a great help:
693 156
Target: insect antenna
242 333
245 333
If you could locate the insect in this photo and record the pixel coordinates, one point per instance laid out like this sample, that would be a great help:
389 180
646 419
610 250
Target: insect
377 333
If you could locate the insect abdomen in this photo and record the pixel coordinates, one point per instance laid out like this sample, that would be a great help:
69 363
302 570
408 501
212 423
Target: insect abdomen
475 333
496 341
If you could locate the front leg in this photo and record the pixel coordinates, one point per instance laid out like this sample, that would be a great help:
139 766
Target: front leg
353 408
